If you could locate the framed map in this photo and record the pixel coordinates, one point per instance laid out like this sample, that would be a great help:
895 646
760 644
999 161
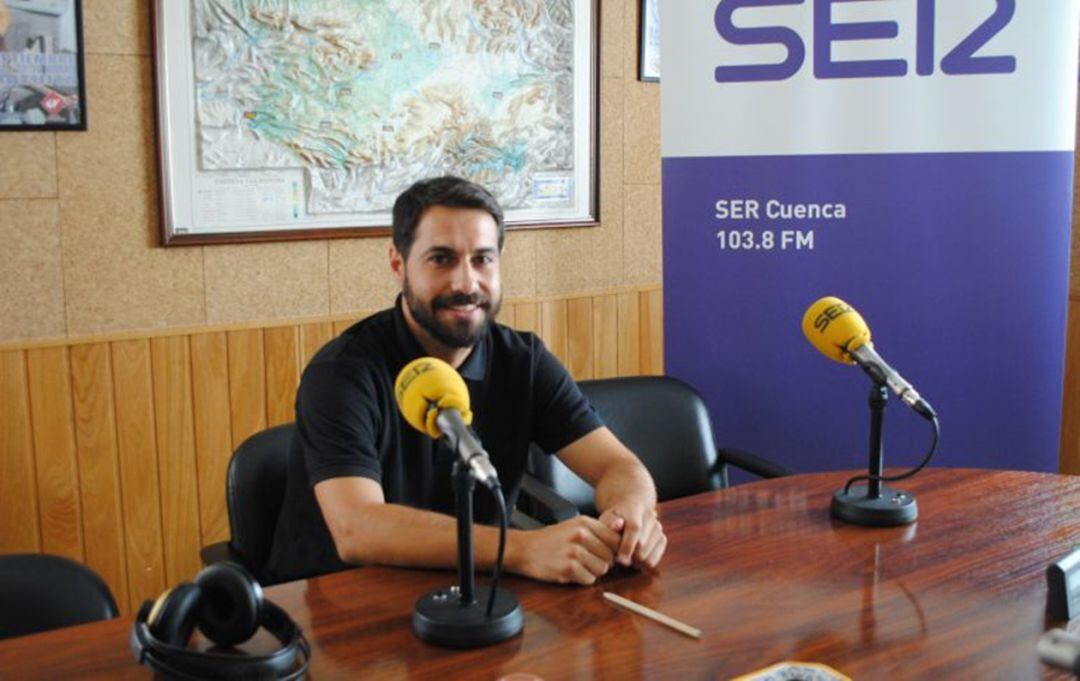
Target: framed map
285 119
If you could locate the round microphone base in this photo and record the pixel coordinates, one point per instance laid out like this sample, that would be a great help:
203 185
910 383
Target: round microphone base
439 618
893 507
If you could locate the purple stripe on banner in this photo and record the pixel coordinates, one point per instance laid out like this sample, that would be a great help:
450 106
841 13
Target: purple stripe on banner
958 262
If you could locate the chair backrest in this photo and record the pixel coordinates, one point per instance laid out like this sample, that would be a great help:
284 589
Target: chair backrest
254 493
662 420
39 592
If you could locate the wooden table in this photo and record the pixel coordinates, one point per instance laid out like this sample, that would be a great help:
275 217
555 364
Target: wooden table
760 568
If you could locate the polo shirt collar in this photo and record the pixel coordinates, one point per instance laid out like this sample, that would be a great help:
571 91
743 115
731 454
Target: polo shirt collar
474 368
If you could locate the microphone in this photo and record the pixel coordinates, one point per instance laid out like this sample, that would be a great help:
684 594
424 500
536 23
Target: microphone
840 333
433 398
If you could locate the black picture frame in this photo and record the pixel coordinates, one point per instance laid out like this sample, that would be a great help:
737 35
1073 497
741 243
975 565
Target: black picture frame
42 71
649 41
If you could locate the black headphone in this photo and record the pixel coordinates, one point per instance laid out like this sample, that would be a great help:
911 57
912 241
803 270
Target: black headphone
226 604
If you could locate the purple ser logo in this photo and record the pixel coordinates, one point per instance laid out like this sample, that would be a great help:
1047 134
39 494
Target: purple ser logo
961 60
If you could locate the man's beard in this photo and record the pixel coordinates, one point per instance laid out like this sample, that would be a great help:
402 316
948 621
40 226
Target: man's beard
461 333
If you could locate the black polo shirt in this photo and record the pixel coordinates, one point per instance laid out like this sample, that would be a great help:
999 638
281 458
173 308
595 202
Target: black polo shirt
348 424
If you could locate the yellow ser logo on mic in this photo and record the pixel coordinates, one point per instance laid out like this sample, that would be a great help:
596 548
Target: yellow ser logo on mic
830 313
410 374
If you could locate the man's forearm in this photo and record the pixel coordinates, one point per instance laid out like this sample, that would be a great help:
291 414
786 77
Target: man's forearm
625 495
392 534
625 480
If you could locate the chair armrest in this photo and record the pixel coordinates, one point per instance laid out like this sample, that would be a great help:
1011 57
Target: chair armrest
547 505
752 463
219 553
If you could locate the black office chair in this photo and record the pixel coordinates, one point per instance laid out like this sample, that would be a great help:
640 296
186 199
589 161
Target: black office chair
39 592
662 420
254 492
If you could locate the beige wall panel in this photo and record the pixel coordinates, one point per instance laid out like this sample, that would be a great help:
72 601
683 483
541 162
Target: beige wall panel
175 428
360 277
642 133
631 16
642 247
19 525
57 471
116 277
613 37
213 435
139 482
518 265
246 282
28 169
651 317
579 318
31 278
553 328
312 337
586 259
247 384
282 373
119 145
99 469
605 336
629 334
527 317
116 27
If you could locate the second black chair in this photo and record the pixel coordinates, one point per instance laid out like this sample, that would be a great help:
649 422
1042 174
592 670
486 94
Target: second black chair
39 592
254 491
662 420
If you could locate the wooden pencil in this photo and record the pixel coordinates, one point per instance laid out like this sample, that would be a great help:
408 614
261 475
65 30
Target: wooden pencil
675 624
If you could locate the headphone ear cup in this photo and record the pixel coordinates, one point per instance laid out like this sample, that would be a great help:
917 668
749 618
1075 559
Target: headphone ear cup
172 617
231 604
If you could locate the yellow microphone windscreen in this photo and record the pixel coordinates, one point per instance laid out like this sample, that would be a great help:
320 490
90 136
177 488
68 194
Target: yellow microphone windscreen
427 385
835 328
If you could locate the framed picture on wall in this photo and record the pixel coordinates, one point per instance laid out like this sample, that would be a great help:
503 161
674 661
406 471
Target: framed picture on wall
305 120
41 65
649 41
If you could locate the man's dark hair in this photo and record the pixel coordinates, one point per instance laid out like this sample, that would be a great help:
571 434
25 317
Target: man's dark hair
449 191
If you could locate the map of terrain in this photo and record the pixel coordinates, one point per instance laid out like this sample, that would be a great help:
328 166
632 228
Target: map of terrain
367 96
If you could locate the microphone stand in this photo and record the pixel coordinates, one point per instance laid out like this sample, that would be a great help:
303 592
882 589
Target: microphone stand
875 504
451 617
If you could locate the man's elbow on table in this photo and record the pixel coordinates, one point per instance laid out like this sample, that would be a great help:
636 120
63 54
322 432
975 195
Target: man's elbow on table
344 502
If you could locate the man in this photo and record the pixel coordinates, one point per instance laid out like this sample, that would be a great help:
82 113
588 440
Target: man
364 487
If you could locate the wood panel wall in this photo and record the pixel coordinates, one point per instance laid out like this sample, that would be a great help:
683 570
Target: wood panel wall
113 450
1069 453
